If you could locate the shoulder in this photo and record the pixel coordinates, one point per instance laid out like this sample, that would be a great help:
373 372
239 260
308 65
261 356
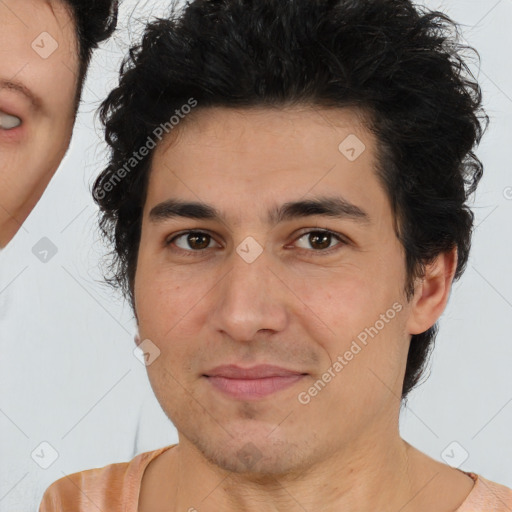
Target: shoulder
114 487
487 495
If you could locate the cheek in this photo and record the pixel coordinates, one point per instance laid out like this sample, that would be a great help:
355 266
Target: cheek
339 302
12 160
358 318
52 141
39 156
161 300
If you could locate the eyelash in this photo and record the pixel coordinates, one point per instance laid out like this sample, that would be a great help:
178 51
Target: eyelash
199 252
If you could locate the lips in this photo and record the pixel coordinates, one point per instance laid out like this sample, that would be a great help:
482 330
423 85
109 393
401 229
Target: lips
252 383
256 372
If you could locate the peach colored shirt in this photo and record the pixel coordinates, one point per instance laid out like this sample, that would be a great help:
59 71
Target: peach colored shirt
115 488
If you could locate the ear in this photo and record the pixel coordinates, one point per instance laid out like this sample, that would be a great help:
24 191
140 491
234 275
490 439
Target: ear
432 293
137 339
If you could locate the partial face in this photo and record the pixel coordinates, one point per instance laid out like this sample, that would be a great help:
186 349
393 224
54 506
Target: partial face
318 295
38 54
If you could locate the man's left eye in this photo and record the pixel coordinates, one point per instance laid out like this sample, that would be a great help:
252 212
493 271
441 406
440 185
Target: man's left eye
8 122
319 238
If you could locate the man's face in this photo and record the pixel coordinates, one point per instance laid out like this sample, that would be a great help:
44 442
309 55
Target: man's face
38 50
303 303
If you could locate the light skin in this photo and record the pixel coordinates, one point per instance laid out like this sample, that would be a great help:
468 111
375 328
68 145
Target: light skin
33 140
292 307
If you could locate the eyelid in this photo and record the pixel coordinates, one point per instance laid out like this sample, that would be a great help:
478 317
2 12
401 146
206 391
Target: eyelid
343 240
169 240
15 104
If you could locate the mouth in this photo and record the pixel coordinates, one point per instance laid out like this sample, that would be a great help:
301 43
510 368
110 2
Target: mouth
252 383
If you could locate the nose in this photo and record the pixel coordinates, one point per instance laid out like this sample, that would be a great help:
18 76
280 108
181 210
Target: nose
250 298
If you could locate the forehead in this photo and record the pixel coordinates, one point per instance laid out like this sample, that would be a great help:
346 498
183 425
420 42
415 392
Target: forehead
239 161
38 46
218 138
22 21
27 15
219 122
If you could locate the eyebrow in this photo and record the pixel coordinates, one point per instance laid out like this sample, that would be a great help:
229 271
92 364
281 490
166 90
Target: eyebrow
17 86
335 207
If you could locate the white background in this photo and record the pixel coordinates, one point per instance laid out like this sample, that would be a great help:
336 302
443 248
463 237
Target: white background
67 369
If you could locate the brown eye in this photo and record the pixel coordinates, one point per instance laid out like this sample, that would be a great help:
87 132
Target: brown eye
321 240
195 240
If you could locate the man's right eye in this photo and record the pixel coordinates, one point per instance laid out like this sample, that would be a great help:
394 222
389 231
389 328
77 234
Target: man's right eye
8 122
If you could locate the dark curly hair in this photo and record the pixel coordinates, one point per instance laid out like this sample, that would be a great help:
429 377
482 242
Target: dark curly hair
399 64
95 22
